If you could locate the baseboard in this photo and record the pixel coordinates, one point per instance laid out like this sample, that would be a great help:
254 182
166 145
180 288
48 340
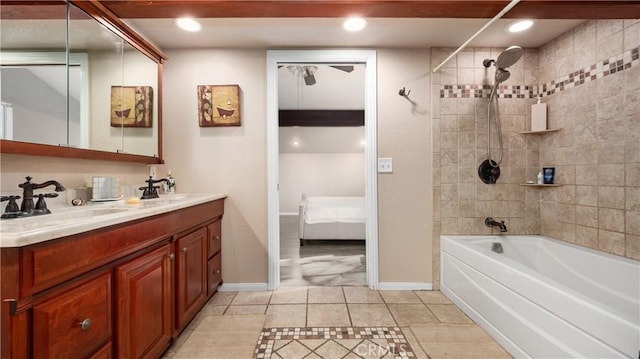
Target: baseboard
242 287
405 286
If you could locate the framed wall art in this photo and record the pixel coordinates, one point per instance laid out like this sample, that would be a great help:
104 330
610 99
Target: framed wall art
131 106
218 105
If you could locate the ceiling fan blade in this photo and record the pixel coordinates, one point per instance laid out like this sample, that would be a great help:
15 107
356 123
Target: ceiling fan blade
309 78
345 68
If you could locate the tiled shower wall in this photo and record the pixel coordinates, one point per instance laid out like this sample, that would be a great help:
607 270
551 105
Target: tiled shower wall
593 73
596 152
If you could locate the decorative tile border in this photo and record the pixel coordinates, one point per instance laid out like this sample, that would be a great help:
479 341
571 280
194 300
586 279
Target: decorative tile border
396 343
484 91
602 69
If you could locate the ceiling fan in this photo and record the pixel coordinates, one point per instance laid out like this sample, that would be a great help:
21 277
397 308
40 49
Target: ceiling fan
307 72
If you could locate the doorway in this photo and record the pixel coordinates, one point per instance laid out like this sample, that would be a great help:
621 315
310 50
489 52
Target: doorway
282 58
322 177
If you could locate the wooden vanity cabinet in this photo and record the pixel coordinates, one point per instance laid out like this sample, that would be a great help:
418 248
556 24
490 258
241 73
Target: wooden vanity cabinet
124 291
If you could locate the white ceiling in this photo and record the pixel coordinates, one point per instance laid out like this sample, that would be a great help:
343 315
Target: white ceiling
328 32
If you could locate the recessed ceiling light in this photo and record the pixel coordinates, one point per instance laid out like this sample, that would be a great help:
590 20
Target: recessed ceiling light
520 25
188 24
354 23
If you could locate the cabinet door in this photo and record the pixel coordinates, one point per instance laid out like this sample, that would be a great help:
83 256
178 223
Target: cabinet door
191 274
75 324
144 292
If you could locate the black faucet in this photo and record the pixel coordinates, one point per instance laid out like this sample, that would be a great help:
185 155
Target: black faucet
27 205
489 222
28 208
151 191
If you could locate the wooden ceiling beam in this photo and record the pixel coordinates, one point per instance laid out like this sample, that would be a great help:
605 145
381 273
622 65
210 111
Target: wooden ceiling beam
535 9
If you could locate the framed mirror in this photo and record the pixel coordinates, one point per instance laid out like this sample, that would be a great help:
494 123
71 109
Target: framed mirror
75 61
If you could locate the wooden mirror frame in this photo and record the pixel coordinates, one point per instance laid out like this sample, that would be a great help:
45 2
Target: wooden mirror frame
108 19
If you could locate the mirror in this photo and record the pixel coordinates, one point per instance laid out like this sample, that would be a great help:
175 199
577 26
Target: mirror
46 102
34 76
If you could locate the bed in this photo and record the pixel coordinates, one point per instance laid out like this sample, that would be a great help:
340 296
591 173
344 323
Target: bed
332 218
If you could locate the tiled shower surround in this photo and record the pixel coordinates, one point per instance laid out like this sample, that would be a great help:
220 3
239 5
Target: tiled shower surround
590 79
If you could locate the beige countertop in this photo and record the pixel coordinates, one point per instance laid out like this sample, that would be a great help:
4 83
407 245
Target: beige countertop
66 221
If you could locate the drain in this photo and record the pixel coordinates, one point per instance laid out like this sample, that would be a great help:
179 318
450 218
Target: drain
496 247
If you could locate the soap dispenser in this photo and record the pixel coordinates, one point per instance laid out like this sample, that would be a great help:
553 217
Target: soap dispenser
539 116
170 184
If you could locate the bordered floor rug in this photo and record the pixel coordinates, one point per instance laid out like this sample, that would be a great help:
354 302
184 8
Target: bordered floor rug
332 343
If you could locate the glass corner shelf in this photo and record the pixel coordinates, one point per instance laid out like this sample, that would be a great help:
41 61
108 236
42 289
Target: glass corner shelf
540 185
542 132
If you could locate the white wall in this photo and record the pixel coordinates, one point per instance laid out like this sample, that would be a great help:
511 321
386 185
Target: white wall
319 174
233 159
229 160
405 196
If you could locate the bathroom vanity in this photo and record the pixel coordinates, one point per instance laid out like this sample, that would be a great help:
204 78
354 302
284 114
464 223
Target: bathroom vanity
108 280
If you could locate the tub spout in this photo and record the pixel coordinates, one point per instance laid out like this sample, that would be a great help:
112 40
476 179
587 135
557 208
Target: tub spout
490 222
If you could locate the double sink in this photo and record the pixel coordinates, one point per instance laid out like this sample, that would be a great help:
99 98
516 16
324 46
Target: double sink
68 220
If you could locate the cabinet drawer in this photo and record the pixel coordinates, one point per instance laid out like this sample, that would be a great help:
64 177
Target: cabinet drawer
74 324
215 238
214 271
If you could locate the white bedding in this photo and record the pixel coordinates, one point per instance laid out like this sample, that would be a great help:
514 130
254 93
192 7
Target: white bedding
334 209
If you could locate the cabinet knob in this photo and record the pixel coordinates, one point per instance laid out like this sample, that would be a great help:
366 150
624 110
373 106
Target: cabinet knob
172 255
217 237
218 271
184 249
85 324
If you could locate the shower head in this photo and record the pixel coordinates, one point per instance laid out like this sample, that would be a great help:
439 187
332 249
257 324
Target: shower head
509 57
506 58
502 75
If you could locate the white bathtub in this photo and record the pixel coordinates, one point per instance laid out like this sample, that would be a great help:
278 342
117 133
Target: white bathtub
543 298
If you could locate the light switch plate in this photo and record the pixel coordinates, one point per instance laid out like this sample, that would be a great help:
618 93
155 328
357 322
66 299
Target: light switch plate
385 165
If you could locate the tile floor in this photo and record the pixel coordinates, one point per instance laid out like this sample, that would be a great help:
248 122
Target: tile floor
333 322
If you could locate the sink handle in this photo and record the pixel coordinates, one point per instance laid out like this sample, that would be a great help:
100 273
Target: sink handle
12 206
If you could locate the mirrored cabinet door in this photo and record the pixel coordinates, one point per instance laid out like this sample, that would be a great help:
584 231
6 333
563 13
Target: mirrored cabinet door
75 76
140 83
33 75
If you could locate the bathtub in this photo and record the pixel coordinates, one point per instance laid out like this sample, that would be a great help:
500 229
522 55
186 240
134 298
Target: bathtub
543 298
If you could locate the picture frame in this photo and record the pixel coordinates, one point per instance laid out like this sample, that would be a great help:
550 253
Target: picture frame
131 106
218 105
